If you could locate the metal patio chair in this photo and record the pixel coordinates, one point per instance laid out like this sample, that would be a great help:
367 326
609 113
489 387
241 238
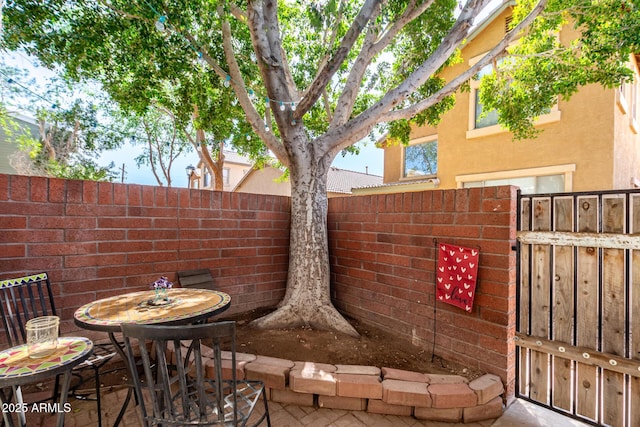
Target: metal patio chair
174 383
199 278
24 298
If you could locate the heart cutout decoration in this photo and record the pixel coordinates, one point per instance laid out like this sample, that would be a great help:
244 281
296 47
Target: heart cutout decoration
457 290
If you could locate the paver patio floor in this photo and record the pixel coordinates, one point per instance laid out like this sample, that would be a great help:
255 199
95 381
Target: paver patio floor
519 414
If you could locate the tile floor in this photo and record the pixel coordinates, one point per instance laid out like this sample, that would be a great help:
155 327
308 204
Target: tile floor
520 414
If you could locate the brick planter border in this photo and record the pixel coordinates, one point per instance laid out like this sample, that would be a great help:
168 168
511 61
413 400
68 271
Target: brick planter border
448 398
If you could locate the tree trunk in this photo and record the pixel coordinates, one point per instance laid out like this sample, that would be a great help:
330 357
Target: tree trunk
307 300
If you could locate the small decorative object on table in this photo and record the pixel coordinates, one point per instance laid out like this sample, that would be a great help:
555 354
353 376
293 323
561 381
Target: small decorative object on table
160 286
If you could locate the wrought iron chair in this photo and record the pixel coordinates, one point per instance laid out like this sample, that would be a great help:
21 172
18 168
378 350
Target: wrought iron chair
174 383
200 278
24 298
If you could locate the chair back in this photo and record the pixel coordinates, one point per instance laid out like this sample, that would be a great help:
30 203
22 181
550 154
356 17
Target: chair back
22 299
174 378
200 278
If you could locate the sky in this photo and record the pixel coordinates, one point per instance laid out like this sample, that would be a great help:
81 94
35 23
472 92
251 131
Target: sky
370 158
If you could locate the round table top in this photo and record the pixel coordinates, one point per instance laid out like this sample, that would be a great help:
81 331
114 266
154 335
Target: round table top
16 367
185 305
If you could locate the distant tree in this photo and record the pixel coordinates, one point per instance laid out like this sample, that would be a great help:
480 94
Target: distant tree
162 140
312 78
65 136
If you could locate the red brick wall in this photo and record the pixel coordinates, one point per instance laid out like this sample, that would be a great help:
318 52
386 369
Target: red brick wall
100 239
383 255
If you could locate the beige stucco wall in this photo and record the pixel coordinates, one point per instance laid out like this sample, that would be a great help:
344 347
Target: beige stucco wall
264 181
627 142
583 136
236 172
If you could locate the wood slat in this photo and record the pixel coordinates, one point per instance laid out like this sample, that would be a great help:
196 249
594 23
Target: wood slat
540 373
540 382
587 391
524 300
579 299
588 218
563 383
613 398
525 256
586 356
562 309
587 309
593 240
613 292
613 302
613 312
524 369
634 401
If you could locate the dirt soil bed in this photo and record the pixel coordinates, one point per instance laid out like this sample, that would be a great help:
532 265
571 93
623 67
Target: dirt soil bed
375 347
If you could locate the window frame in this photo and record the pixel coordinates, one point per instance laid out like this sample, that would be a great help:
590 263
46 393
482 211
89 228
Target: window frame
418 141
226 175
552 116
567 170
628 99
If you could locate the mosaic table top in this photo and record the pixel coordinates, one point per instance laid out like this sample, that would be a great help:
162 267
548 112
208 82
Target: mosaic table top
16 367
183 305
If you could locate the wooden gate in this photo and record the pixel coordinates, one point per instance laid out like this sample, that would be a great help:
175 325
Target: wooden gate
578 325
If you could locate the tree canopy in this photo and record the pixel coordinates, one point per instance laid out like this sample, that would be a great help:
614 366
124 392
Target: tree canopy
55 127
308 79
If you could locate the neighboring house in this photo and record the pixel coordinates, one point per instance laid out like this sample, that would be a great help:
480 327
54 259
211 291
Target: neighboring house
8 144
234 168
340 182
589 142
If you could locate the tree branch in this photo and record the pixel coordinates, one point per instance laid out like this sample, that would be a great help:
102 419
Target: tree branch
369 50
150 144
360 126
123 13
347 98
455 84
326 72
252 115
410 13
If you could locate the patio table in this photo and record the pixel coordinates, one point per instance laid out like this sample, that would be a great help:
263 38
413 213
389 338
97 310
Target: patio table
185 305
17 368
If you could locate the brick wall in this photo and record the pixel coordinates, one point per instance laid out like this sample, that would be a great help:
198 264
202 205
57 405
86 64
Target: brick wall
384 255
101 239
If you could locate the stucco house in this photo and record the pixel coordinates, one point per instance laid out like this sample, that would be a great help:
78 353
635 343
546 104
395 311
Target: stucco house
340 182
234 168
589 142
17 124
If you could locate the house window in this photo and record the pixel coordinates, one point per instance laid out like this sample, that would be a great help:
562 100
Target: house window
226 172
633 118
548 179
627 100
484 125
528 185
421 159
206 178
491 117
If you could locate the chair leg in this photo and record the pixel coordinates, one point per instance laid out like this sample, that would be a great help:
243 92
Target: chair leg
6 416
266 408
98 400
56 389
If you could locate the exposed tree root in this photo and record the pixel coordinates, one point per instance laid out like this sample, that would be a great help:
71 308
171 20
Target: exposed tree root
322 317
